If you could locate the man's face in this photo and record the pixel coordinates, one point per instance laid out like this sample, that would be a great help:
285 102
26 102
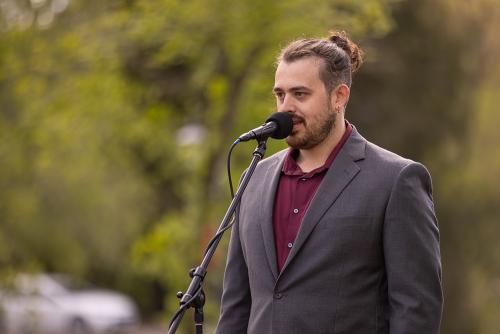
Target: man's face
300 92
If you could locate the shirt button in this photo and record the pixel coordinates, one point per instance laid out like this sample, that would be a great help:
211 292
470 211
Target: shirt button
278 295
295 210
290 245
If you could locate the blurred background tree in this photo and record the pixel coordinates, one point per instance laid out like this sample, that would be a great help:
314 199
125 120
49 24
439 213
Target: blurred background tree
115 119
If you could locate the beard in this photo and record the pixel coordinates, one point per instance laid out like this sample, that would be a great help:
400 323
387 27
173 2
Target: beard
315 131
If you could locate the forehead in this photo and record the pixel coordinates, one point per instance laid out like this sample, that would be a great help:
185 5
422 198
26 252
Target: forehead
302 72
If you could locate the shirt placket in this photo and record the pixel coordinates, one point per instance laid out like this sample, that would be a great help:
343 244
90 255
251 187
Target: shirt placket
291 221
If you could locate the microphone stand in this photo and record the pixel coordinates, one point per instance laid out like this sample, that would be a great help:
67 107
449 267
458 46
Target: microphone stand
194 296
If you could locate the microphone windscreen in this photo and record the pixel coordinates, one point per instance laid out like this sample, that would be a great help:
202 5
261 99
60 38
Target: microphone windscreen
284 124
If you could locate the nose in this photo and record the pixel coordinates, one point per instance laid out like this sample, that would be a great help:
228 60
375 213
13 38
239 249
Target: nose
287 105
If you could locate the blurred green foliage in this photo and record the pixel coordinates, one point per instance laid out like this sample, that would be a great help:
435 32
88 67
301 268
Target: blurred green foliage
97 180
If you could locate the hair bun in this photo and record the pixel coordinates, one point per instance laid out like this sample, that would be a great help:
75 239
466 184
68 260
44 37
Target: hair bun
354 52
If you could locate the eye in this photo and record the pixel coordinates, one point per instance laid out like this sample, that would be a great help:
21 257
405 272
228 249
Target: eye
279 95
299 94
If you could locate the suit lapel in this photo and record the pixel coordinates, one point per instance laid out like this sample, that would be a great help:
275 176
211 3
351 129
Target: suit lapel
266 222
339 175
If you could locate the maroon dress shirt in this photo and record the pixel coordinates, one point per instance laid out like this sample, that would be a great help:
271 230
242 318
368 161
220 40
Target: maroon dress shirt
294 193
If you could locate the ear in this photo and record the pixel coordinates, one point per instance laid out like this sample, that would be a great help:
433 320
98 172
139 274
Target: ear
340 97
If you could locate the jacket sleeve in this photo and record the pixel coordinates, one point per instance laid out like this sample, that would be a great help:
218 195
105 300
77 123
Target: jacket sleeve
236 299
412 255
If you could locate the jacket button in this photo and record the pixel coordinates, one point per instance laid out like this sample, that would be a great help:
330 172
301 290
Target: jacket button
278 295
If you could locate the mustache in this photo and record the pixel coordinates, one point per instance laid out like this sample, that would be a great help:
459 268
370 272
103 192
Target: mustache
297 119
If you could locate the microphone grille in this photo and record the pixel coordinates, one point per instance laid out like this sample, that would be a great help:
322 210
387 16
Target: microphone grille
284 124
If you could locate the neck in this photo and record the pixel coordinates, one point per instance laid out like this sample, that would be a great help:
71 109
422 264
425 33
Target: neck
316 156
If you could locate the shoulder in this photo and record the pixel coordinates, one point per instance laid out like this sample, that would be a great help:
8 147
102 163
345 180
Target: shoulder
273 161
386 166
378 155
275 158
269 164
391 160
380 158
401 168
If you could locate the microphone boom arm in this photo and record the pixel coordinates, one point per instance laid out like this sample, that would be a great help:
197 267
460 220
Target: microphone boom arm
194 295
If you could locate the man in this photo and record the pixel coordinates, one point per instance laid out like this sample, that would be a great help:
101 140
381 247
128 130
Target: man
334 235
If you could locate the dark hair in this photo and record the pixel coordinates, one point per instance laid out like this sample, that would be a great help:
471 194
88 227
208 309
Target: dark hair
341 57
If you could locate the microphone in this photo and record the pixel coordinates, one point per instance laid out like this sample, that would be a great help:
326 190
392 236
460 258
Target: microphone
278 126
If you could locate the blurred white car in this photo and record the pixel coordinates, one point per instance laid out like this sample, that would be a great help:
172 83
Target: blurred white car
51 304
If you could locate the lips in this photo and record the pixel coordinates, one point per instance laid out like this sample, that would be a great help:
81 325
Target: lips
297 120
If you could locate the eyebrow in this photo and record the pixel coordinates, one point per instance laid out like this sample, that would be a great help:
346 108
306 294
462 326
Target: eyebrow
293 89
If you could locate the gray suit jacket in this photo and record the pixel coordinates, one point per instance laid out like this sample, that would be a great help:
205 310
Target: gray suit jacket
366 258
